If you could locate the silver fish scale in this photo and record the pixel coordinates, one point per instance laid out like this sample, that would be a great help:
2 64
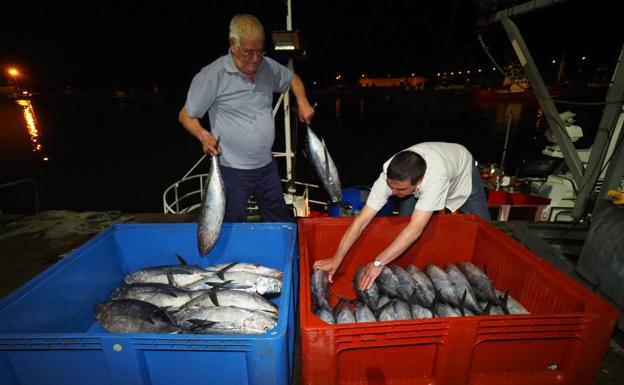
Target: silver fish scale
481 284
369 296
325 315
246 267
180 277
389 282
318 286
461 286
345 316
402 310
441 282
237 298
212 209
133 316
323 165
240 280
363 313
406 283
229 316
424 291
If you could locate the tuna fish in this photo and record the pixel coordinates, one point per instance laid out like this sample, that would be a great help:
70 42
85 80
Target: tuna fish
445 310
442 284
402 310
239 280
178 275
419 312
159 294
369 296
212 209
481 284
246 267
318 286
325 315
389 282
134 316
237 298
424 292
387 312
463 290
510 305
323 165
343 313
363 313
224 319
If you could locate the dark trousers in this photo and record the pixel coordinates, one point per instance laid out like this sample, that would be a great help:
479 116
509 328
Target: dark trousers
265 185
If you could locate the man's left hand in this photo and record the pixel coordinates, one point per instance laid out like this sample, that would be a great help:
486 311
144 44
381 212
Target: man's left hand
306 112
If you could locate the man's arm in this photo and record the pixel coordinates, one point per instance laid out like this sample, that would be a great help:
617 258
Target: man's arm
194 127
350 236
407 236
303 105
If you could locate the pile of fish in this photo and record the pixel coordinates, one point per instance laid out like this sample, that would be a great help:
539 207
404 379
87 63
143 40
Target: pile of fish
224 299
460 289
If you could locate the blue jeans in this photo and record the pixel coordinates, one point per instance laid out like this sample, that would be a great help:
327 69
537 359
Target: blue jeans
476 203
264 183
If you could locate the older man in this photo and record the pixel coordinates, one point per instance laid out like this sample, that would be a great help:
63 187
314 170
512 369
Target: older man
237 92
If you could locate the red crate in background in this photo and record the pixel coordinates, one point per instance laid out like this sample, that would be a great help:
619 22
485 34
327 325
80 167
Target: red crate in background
562 341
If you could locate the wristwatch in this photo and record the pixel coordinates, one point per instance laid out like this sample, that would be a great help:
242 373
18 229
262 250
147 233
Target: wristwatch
377 263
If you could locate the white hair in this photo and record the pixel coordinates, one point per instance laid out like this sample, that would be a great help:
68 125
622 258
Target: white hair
245 25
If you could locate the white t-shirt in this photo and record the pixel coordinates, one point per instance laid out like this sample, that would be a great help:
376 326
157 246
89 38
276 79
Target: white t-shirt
447 181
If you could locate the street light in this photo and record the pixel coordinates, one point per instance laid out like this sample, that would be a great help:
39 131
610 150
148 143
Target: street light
14 73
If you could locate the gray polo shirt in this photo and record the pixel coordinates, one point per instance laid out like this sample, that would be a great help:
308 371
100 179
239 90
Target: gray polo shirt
240 111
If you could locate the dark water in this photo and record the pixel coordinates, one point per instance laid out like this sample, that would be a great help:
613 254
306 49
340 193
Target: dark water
119 153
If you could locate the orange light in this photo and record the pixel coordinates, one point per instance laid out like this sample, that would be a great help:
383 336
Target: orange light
13 72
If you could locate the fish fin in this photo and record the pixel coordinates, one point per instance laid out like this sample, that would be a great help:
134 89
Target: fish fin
213 298
338 307
436 299
179 271
181 259
462 303
503 302
200 322
217 285
486 309
221 273
170 279
378 311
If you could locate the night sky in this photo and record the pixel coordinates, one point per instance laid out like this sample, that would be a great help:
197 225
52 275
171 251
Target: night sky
100 45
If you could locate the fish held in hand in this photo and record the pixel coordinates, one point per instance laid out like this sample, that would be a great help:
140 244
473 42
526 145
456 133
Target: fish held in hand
212 209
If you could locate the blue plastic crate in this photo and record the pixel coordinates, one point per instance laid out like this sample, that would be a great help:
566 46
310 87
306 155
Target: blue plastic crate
48 334
357 197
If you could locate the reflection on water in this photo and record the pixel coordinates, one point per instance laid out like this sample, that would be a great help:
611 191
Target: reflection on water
30 118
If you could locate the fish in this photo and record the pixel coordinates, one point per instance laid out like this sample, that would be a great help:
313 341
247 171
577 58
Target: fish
420 312
369 296
239 280
441 283
402 310
212 208
246 267
325 315
134 316
384 299
463 290
159 294
480 282
323 165
363 313
406 288
223 319
387 312
510 305
388 282
424 293
318 286
343 313
176 275
446 310
237 298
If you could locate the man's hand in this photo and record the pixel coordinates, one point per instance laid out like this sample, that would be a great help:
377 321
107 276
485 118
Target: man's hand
209 143
306 112
370 275
327 265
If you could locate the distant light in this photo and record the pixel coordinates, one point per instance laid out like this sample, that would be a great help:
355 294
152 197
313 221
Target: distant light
452 73
314 82
413 74
493 68
13 72
554 61
459 72
45 158
468 71
438 74
479 70
338 77
388 75
583 58
363 75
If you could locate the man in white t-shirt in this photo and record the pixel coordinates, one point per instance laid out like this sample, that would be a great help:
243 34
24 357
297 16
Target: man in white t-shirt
440 175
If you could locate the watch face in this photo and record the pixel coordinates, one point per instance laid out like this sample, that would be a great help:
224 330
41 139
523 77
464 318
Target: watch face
376 263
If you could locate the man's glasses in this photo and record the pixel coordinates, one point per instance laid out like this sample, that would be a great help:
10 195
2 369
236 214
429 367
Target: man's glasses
247 53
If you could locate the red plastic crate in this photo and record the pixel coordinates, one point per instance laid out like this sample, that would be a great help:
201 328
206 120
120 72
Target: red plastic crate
562 341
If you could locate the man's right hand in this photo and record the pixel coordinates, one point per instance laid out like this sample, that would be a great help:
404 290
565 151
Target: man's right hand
209 143
327 265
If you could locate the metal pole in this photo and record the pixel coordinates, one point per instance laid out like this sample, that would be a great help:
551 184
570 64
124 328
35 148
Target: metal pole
502 163
287 134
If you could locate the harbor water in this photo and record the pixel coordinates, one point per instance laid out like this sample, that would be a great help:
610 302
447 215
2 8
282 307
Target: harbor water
120 151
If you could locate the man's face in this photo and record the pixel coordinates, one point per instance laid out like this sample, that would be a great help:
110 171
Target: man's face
401 188
248 55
